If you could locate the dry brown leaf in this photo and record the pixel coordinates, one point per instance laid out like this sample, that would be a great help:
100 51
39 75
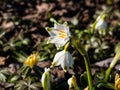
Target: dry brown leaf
2 61
6 25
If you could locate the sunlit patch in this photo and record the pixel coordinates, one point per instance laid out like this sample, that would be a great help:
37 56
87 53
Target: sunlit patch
62 34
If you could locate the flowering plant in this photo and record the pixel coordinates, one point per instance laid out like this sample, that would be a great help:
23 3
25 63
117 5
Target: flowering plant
59 34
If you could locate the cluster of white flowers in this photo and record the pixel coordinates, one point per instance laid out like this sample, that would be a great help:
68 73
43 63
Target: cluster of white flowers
60 36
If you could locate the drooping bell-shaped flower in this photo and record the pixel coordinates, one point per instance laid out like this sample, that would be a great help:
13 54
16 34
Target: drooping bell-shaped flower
100 22
59 34
64 59
72 83
46 79
31 60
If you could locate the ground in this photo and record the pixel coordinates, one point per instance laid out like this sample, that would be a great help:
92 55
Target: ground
22 30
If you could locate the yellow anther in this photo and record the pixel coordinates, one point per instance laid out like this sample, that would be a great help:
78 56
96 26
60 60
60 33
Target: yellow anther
62 34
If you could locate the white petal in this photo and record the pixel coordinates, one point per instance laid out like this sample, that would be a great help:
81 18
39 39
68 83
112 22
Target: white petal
63 27
70 60
101 25
58 41
67 62
59 57
60 27
52 32
66 28
70 82
62 42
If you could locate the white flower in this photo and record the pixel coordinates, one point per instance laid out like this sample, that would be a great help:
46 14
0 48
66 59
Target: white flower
64 59
100 22
46 80
59 34
72 83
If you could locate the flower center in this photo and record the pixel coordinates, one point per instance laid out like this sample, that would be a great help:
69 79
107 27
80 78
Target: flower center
61 34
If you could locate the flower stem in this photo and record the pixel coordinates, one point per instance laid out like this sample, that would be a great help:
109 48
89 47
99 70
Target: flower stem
82 51
66 46
89 75
113 63
107 73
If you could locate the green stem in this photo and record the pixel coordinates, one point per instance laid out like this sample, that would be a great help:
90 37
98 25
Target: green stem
113 63
66 46
82 51
89 75
108 73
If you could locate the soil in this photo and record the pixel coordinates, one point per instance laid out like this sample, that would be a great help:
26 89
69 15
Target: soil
30 17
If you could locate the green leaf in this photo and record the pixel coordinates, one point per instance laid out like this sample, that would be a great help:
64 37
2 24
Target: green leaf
19 56
83 80
25 71
14 78
3 73
2 77
36 86
106 85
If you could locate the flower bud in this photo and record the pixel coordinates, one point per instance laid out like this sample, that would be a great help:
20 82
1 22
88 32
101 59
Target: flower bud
72 83
46 80
31 60
117 81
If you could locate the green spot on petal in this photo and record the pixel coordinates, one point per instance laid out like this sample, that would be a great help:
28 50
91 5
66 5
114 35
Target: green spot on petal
48 29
